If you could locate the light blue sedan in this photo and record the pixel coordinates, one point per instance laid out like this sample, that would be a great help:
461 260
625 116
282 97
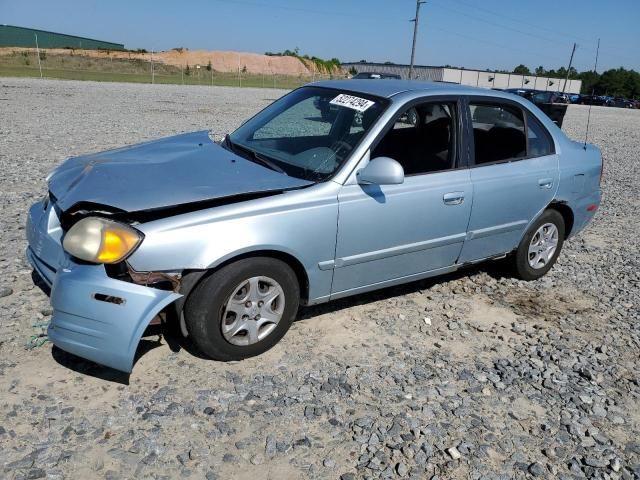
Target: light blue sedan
338 188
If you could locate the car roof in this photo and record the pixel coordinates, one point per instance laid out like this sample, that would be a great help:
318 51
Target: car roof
387 88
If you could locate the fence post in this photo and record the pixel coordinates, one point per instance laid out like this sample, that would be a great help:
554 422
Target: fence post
38 53
153 79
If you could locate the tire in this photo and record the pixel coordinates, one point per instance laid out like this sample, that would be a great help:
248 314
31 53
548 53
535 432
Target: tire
522 261
219 304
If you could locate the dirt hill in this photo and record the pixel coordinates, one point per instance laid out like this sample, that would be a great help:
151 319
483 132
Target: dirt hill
221 61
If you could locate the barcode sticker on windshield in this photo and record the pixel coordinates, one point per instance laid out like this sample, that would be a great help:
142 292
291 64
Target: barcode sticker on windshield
349 101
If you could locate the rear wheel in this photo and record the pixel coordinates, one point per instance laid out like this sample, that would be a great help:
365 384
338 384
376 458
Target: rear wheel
243 309
540 247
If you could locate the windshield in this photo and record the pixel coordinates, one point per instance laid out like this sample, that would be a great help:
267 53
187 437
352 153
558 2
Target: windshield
308 133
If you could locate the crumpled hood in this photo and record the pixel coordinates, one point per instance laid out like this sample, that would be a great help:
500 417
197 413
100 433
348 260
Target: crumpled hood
162 173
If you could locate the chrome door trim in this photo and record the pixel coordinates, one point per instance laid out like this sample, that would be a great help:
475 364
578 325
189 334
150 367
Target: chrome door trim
504 228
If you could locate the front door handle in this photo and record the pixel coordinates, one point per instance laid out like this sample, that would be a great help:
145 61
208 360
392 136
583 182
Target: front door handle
545 182
453 198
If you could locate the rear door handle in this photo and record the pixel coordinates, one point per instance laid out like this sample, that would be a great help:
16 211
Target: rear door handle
453 198
545 182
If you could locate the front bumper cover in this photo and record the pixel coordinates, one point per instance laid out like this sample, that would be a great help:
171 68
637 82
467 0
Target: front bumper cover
94 316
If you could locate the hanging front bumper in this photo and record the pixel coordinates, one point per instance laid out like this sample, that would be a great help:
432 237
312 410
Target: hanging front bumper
94 316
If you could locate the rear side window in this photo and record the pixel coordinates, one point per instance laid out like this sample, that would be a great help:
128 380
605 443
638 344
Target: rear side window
498 133
540 142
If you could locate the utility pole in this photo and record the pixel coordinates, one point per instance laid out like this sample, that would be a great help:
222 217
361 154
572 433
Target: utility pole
569 69
415 34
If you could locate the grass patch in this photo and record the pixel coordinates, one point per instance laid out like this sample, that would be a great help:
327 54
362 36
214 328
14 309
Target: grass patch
75 67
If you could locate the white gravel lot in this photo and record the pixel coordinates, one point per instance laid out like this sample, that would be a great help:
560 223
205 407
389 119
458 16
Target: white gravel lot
506 379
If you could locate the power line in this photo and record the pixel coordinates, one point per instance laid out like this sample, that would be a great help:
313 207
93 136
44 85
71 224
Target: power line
494 44
298 9
573 37
520 21
496 24
342 14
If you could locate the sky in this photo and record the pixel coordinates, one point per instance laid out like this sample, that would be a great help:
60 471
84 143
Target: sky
482 34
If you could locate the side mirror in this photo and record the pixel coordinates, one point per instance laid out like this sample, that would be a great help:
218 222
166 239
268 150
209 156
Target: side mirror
381 171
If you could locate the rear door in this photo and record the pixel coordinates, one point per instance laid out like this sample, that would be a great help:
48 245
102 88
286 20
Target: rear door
514 173
393 233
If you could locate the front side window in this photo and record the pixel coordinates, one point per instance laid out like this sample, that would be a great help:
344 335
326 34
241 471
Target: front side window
308 133
422 139
498 133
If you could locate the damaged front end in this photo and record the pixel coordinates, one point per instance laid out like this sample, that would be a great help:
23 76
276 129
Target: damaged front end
97 314
101 305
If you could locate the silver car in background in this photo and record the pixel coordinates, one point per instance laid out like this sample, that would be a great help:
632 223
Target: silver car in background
399 181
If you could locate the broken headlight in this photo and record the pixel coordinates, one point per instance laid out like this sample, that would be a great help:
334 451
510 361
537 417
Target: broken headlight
99 240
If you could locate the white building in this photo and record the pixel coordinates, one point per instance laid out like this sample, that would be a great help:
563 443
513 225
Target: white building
475 78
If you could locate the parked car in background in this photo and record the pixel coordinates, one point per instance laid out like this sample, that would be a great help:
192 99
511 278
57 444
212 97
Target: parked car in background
407 180
540 96
593 100
554 104
376 76
549 97
522 92
620 102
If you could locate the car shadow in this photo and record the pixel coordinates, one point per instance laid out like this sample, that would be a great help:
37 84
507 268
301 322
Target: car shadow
375 192
174 338
169 330
495 269
176 341
87 367
39 282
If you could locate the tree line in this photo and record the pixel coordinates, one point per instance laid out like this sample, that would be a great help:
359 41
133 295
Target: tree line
616 82
320 63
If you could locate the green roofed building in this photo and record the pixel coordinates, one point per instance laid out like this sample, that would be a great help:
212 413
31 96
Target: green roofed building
11 36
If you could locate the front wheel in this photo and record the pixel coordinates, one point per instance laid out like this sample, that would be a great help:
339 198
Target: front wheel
243 309
540 247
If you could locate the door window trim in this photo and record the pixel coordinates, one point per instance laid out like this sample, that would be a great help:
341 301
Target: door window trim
498 101
460 161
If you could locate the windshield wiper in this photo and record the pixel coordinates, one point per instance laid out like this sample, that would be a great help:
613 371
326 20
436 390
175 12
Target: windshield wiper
267 163
254 155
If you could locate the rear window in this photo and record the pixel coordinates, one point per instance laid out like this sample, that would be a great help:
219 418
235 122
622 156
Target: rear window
498 133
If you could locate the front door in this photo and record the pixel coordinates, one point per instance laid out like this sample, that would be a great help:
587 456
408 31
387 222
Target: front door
393 233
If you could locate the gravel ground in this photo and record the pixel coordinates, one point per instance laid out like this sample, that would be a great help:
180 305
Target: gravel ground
473 375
